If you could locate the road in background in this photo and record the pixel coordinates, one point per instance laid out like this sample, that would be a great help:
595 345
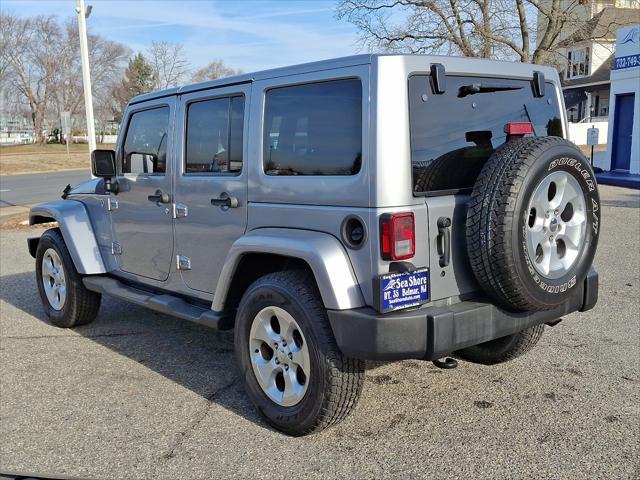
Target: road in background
141 395
37 187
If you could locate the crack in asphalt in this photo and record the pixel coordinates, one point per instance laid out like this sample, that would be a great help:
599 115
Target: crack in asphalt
188 432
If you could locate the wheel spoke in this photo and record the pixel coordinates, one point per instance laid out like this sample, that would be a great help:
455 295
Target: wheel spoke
301 359
266 372
572 234
571 193
287 327
536 237
48 266
292 389
561 186
264 332
555 263
62 293
540 199
545 264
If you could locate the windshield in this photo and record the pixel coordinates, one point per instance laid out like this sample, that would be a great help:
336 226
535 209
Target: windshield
453 134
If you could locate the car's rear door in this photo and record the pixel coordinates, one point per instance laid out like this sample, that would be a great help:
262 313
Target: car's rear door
142 221
452 136
211 181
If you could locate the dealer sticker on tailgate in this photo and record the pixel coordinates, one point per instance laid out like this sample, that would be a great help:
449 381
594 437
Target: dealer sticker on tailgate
396 291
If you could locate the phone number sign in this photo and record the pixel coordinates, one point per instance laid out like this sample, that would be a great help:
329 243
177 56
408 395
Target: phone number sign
629 61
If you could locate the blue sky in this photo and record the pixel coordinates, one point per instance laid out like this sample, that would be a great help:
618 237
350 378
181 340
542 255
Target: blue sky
247 34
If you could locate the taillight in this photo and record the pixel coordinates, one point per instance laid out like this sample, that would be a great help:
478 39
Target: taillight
518 128
398 236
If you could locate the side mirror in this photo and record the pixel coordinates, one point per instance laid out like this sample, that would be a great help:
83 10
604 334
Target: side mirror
103 163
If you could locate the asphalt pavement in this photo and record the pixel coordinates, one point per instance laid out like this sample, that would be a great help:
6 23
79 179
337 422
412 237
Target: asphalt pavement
27 189
140 395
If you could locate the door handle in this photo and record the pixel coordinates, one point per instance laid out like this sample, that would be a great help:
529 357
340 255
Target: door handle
159 197
225 201
444 240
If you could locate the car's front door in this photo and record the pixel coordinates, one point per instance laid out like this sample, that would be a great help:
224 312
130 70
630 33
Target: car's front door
142 221
211 182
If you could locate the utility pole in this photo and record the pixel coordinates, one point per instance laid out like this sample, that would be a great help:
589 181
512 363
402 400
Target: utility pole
86 73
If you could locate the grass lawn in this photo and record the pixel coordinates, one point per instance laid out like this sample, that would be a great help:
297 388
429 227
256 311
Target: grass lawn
17 159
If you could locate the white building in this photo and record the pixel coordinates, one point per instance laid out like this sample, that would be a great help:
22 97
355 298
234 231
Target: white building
15 130
623 153
587 57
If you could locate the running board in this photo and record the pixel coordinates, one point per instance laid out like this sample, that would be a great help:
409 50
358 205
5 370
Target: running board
162 303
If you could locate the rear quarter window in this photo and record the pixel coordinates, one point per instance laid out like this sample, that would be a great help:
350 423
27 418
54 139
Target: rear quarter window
313 129
453 134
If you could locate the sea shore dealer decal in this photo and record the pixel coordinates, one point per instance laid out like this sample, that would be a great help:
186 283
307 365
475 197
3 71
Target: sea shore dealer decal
396 291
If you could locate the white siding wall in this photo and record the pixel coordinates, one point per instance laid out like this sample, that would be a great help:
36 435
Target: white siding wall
578 132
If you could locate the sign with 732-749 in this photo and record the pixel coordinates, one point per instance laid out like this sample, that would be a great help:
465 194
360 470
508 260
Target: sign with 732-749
627 47
627 62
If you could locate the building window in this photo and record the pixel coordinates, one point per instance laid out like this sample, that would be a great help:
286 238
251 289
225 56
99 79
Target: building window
577 63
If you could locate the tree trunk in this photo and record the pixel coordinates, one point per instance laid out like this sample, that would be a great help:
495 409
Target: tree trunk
38 122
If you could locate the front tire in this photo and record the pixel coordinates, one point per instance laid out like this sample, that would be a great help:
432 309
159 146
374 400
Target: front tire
292 368
67 303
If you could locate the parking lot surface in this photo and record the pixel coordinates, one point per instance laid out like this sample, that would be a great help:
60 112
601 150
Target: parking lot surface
141 395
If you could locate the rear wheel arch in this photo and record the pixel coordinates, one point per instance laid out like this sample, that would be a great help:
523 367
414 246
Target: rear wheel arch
255 265
267 250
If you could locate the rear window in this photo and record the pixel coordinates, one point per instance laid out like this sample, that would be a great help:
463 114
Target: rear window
313 129
453 134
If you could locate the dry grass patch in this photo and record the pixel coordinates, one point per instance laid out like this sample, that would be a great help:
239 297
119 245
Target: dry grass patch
16 159
21 222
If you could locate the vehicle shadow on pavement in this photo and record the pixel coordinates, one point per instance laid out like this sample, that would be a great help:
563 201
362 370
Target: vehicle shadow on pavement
195 357
627 200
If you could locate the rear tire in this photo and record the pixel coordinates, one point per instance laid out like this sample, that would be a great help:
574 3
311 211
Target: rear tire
323 386
66 301
503 349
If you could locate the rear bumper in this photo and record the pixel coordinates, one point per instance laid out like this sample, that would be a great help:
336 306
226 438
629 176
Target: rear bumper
433 332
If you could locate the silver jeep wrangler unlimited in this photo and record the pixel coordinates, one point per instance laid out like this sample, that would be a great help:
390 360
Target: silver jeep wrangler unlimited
379 207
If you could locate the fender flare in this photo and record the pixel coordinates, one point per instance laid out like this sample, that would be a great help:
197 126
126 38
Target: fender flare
76 229
324 254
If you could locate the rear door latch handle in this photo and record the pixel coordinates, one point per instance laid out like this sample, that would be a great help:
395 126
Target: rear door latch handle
159 197
444 240
225 201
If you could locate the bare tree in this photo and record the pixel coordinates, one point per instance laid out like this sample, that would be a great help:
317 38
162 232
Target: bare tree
107 60
40 63
213 70
169 64
524 30
30 47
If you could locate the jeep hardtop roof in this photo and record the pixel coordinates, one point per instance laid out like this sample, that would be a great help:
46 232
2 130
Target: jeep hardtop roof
453 65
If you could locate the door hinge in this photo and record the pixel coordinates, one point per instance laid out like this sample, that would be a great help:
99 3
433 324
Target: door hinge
116 248
112 203
180 210
183 263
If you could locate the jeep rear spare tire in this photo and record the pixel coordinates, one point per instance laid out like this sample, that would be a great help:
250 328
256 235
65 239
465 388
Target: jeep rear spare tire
533 223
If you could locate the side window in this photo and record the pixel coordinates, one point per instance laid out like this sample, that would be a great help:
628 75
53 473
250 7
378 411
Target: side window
145 146
313 129
214 136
